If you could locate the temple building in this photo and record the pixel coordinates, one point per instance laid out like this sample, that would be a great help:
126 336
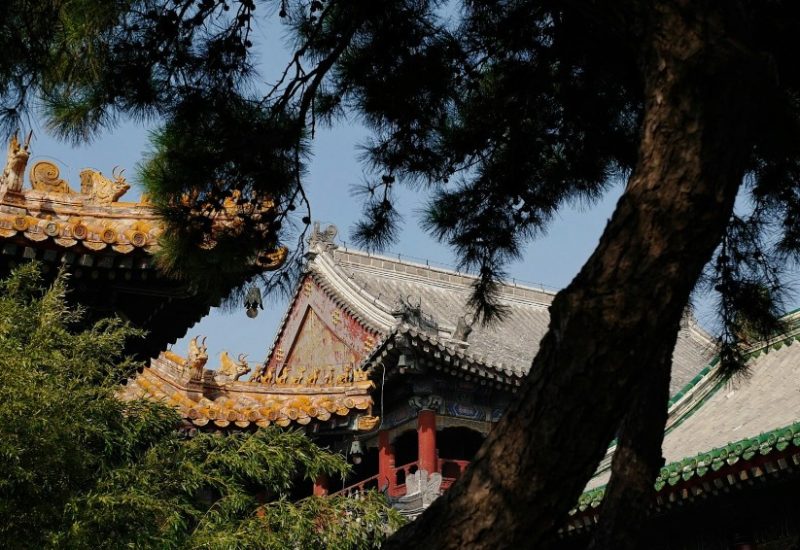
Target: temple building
379 359
105 244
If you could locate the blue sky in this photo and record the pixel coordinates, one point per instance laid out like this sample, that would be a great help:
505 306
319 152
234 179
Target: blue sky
551 261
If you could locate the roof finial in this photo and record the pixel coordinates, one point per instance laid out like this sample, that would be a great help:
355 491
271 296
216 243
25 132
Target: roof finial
16 161
321 241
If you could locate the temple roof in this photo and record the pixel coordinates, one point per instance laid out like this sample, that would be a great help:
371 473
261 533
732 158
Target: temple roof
716 413
723 434
66 219
441 296
738 465
217 398
52 214
424 304
107 245
712 413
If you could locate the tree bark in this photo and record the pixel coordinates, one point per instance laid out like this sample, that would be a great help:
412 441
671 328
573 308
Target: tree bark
621 311
637 460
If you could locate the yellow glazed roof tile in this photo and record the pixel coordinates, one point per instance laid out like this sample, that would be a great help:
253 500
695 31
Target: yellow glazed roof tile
203 396
92 218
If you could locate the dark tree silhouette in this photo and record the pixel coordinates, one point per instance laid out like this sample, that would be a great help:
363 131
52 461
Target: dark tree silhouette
505 111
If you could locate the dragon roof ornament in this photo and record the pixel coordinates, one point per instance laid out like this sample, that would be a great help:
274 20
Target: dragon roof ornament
320 240
16 161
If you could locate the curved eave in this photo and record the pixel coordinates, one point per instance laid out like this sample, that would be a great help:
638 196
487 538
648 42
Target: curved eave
116 227
213 403
446 357
738 464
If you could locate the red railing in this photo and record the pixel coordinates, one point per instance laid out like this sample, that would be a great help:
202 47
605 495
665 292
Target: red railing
451 470
361 487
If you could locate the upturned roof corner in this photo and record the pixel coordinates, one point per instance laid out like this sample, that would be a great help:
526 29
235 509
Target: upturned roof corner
217 398
105 240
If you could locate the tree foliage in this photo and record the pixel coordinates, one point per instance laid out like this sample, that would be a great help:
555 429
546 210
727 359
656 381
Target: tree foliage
80 468
504 111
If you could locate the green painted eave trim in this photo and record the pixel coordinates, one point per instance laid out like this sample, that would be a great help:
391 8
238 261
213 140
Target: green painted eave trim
708 462
694 381
774 345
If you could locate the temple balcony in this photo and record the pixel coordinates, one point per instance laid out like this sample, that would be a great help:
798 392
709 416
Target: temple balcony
404 480
409 489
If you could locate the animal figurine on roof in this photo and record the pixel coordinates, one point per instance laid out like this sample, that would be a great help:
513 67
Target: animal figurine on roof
102 190
463 329
198 356
230 370
16 161
322 239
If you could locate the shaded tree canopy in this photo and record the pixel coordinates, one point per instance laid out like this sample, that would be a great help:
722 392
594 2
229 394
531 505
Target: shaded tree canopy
504 112
80 468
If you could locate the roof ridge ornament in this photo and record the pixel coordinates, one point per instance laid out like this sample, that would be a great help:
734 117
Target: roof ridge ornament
463 329
45 177
16 161
413 315
198 357
230 370
322 241
100 189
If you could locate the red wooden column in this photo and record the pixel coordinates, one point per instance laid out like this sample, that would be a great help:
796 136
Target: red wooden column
321 486
386 474
426 438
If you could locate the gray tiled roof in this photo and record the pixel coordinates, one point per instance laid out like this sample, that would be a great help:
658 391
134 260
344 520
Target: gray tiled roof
512 343
767 399
717 413
693 351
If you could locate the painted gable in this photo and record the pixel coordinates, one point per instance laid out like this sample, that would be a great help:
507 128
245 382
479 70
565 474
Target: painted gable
321 343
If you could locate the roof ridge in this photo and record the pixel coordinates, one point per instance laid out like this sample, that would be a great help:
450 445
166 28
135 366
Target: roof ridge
508 289
355 292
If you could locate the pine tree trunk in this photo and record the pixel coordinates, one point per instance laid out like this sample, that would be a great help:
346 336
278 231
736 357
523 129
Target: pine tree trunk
620 313
636 462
